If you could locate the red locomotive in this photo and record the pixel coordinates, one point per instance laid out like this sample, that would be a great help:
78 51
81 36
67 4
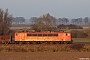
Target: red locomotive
60 37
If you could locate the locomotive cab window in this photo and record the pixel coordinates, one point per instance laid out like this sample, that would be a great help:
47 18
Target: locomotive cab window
34 34
50 35
55 34
39 34
17 34
29 34
44 34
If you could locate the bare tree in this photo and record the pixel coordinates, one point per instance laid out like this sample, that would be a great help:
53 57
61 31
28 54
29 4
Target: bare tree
45 22
5 22
86 20
32 19
59 21
66 20
21 20
74 21
18 20
79 21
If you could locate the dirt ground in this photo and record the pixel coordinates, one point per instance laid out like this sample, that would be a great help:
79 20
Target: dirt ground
45 56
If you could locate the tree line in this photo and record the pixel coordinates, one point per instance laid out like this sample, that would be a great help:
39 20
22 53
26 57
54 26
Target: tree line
66 21
18 20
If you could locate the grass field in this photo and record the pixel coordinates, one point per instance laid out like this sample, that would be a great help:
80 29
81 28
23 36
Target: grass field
81 40
21 25
45 56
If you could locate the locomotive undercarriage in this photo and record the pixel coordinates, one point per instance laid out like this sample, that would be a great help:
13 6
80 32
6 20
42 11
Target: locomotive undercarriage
42 42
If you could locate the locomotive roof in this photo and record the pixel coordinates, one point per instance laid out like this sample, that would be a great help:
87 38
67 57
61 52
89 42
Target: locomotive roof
42 32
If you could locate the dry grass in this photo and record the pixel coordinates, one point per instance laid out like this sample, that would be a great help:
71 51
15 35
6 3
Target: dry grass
45 48
81 40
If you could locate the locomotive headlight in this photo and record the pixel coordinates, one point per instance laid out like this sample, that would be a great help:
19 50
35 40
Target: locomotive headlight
67 34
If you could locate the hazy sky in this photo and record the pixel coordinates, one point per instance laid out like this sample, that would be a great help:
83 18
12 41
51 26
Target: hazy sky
57 8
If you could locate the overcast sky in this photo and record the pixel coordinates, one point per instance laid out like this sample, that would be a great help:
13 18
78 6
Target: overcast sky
56 8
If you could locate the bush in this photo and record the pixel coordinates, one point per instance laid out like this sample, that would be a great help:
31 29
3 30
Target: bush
71 26
88 32
78 34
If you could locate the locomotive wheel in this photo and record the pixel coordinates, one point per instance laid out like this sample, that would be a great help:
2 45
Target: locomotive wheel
62 42
20 42
27 42
38 42
65 42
